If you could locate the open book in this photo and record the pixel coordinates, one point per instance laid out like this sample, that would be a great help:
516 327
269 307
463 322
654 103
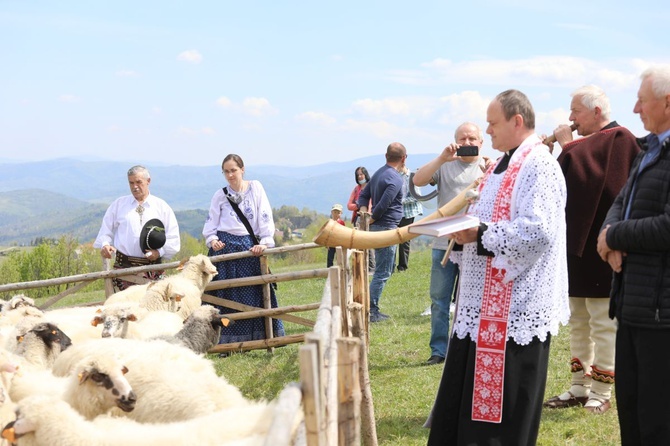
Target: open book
444 225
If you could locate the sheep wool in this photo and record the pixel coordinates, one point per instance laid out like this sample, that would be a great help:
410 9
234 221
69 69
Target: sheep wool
172 383
44 420
201 330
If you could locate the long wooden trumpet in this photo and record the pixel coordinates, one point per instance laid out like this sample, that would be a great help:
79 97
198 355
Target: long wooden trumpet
333 234
552 138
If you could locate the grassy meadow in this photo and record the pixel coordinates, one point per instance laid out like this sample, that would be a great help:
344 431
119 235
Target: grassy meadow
403 388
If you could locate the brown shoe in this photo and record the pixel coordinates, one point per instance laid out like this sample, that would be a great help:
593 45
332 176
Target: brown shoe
555 402
596 406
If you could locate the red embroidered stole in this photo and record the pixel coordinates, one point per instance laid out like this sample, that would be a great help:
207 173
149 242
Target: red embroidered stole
487 398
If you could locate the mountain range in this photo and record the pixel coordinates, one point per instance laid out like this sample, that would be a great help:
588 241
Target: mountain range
69 196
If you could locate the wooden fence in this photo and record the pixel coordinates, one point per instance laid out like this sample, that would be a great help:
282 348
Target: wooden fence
334 392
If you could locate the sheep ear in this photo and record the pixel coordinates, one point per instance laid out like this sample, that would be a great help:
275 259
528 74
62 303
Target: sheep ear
181 264
132 317
19 338
227 322
124 370
96 320
178 297
98 311
83 376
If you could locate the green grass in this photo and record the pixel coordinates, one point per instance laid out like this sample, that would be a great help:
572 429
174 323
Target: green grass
403 388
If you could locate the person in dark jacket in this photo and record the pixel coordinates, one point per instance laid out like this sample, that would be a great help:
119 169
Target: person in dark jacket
596 168
385 191
635 241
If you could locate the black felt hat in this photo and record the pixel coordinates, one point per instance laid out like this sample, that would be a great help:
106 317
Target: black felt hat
152 235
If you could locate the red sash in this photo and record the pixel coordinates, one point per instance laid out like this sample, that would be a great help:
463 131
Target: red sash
487 398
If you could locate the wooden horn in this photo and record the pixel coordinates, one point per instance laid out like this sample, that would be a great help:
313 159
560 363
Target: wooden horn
552 138
333 234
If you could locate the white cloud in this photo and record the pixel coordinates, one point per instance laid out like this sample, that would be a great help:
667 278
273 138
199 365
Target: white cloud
381 129
257 107
156 110
316 117
127 73
114 128
224 102
337 58
207 131
68 98
549 71
190 56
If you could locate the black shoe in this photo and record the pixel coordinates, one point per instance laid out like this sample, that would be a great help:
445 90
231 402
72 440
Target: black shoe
435 360
376 316
402 268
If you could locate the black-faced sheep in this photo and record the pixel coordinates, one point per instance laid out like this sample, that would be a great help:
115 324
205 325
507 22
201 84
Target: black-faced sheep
42 420
171 382
41 345
97 385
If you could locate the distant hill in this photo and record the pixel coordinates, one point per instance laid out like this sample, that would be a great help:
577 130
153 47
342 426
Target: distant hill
70 196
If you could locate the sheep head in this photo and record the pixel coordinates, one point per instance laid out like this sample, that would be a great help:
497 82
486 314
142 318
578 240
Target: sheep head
115 320
106 376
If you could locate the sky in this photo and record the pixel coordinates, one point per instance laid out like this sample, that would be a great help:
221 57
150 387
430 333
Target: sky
300 83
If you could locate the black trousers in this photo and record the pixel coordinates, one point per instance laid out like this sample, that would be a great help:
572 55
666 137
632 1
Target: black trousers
403 248
525 379
642 395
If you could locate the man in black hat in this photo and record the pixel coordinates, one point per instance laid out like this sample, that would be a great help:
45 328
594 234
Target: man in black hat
138 229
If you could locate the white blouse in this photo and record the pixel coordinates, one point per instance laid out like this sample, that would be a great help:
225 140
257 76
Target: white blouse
531 248
254 205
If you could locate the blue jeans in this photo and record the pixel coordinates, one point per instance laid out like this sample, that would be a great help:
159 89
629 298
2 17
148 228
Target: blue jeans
442 283
385 258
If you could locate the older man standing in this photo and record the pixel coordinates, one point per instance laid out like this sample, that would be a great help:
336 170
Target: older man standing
123 222
385 190
595 169
451 173
635 241
513 291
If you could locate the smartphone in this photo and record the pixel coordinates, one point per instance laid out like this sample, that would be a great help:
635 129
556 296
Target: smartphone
467 151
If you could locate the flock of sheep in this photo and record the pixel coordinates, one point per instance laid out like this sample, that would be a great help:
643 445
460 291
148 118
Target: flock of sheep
130 372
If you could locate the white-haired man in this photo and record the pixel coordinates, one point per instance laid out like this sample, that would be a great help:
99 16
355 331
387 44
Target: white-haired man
123 222
451 173
635 241
595 169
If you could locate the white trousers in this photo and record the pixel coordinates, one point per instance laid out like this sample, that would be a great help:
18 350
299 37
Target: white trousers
592 341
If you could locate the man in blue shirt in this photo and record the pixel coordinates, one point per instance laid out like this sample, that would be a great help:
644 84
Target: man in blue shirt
385 189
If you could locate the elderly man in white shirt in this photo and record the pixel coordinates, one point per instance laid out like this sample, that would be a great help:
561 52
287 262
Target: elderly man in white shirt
123 222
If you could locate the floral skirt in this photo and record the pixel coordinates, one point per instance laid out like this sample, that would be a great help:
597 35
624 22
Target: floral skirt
247 329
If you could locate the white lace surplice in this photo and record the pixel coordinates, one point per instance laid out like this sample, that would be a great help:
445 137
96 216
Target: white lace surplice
531 248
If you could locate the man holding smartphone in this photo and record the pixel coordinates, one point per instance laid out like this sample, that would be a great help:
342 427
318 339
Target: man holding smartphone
451 173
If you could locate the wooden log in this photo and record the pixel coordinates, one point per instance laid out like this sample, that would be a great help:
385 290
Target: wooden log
142 269
309 378
267 278
349 391
368 424
332 368
267 304
59 296
258 344
109 284
287 416
273 312
208 298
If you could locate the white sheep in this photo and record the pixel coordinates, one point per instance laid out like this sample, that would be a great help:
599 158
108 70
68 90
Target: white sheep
97 385
190 283
201 330
17 301
171 382
133 293
129 320
43 420
75 322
